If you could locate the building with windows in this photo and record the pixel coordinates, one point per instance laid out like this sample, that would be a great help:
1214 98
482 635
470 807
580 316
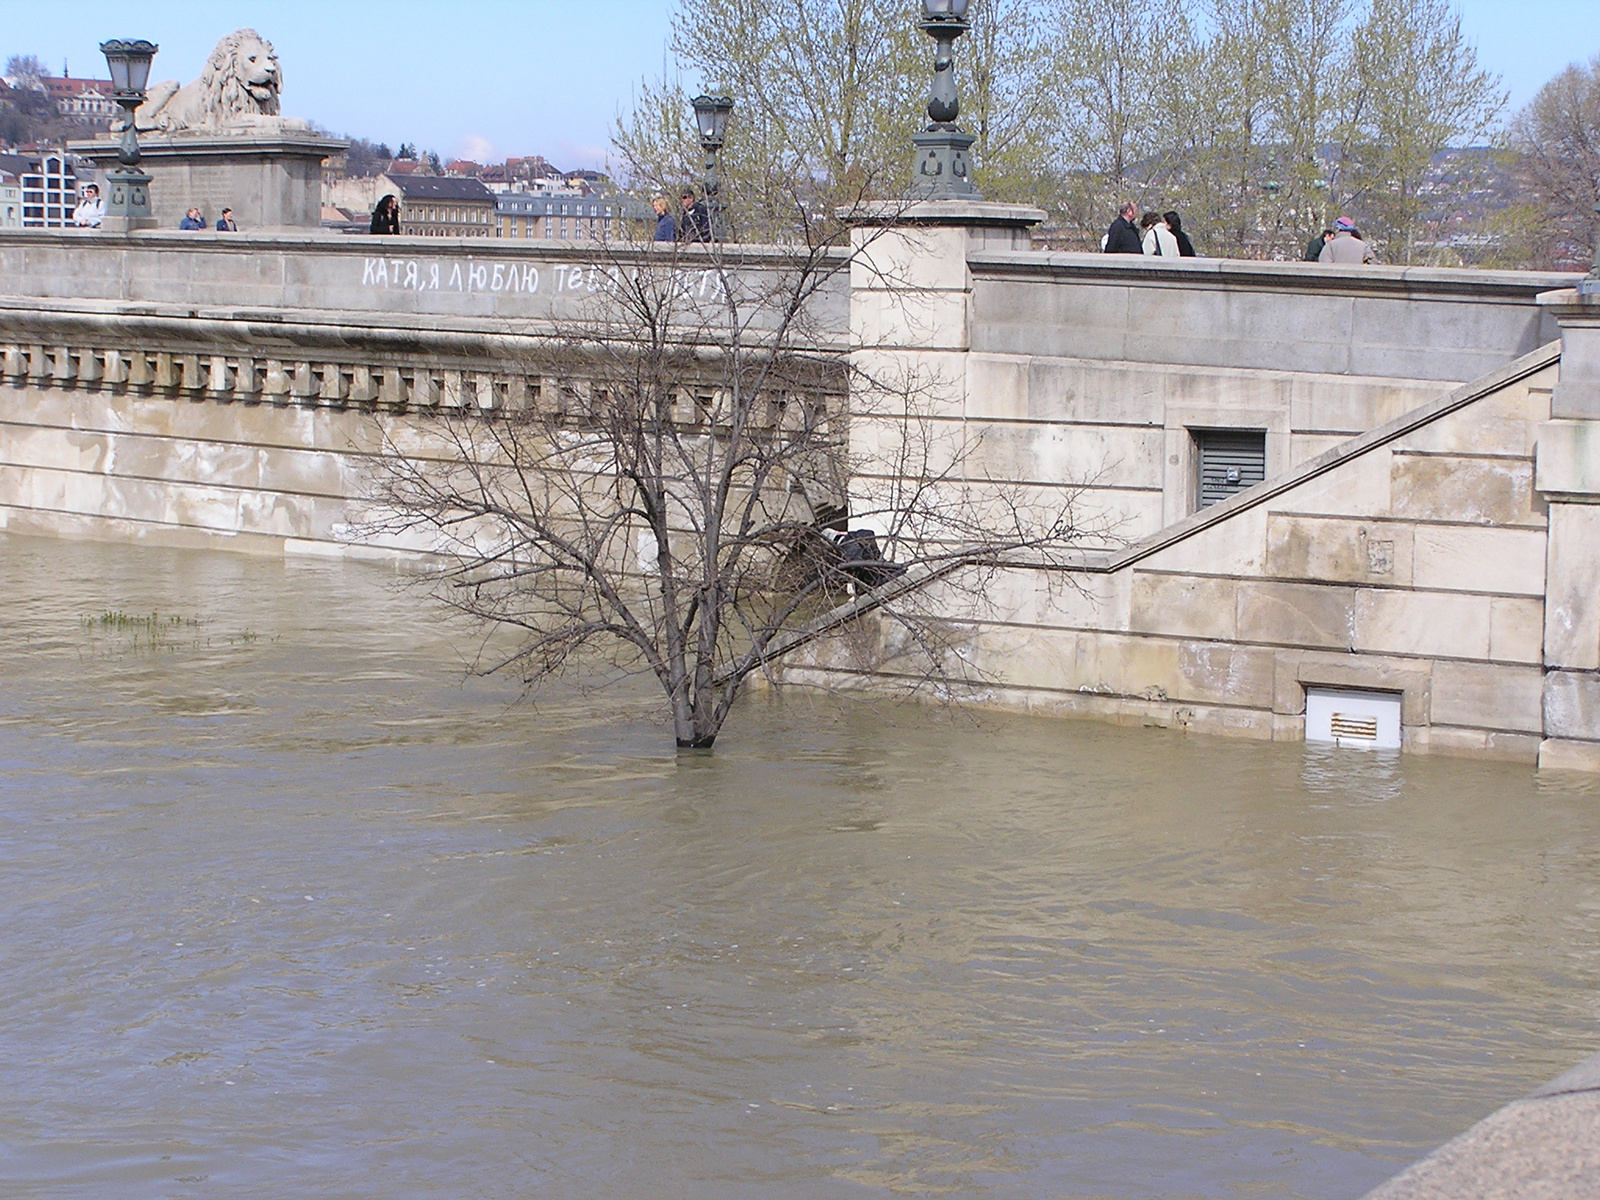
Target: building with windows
10 201
49 188
85 100
440 206
569 217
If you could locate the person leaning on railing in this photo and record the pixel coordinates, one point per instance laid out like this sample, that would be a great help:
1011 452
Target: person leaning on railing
1347 246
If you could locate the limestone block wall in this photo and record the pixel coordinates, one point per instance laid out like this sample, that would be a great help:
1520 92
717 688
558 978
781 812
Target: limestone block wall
1086 376
1409 560
247 434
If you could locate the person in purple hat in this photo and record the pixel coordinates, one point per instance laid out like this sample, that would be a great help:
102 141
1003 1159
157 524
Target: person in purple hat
1346 246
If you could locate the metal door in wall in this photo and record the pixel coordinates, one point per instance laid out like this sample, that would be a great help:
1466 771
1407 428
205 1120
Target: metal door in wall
1229 460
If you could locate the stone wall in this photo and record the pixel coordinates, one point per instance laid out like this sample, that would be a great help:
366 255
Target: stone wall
1087 373
365 281
1417 534
250 431
1410 560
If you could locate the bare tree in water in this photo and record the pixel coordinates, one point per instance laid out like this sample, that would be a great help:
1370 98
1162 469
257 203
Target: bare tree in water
678 502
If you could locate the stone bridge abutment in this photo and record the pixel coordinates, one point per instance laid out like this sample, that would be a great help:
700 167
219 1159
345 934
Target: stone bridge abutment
1424 526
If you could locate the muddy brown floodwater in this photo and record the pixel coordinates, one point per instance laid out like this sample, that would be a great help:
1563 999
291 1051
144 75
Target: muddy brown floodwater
292 909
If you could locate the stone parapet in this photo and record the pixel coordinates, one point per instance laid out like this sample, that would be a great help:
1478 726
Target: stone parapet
494 282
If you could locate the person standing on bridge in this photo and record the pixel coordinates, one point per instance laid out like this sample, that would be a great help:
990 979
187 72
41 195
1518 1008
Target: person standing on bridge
696 223
1346 246
1123 236
1175 224
192 220
386 216
666 227
91 208
1157 238
226 223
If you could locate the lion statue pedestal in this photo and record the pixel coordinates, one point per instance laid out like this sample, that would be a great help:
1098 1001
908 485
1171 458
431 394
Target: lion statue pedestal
220 142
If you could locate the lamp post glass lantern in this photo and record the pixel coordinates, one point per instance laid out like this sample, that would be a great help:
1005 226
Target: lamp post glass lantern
941 170
127 187
711 119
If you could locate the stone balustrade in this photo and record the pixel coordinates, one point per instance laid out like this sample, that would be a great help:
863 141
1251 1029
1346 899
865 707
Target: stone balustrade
264 378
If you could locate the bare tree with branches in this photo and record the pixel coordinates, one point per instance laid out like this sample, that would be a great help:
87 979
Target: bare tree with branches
679 502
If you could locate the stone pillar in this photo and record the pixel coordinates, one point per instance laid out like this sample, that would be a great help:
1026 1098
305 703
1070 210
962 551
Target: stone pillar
911 322
1567 475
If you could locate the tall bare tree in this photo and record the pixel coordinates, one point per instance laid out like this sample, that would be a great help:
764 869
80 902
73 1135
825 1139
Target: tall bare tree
1556 143
667 507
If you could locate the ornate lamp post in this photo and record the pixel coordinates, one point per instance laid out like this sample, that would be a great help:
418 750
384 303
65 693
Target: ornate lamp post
941 170
127 187
1589 285
711 117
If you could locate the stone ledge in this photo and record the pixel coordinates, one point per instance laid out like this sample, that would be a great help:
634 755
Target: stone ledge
1544 1147
1457 283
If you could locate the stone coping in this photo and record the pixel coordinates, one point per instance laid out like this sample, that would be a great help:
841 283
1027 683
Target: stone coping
254 242
1462 283
243 143
971 212
28 318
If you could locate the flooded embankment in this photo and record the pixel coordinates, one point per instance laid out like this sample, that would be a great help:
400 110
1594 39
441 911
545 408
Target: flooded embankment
294 909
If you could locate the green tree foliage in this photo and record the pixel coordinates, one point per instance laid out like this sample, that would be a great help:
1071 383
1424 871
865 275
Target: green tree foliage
1260 119
1416 88
827 97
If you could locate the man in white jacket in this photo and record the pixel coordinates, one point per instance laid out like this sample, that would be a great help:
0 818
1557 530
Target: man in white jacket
91 208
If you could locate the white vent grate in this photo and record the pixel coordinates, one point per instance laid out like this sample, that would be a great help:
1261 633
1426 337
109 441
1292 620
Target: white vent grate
1364 720
1344 725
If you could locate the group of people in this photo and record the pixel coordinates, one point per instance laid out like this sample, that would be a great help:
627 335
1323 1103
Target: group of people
1341 244
1160 235
90 213
193 219
693 223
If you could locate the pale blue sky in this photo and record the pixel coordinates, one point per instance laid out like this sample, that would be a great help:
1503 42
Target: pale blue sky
499 77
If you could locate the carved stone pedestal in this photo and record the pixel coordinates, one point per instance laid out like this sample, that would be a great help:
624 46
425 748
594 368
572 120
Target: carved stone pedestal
272 179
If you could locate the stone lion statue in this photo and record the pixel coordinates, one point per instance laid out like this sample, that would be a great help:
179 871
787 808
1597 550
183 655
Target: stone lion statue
238 88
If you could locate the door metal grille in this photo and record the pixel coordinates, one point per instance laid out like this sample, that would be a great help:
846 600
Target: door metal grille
1230 461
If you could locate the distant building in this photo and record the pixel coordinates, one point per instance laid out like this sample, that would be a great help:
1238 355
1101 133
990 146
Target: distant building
87 100
10 201
49 187
564 217
439 206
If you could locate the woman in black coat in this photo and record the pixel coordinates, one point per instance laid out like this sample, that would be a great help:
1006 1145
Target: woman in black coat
386 217
1175 223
